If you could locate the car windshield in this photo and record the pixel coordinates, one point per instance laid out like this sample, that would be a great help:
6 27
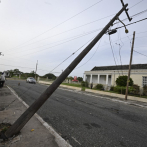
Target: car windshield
32 78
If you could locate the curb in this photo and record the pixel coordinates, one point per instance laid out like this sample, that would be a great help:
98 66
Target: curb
59 140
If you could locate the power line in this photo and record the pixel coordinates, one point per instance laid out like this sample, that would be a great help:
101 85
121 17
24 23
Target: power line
113 53
51 47
102 45
63 43
136 4
75 37
135 15
82 26
131 23
26 67
67 30
120 48
63 22
71 55
91 56
140 53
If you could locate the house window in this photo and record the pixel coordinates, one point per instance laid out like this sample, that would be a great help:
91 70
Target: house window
144 81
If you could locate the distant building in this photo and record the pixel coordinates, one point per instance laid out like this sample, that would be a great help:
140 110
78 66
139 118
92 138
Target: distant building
107 75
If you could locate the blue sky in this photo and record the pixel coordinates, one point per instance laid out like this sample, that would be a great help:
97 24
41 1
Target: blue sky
30 31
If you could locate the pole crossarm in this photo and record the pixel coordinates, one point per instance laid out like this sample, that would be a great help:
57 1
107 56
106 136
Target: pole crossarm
126 10
25 117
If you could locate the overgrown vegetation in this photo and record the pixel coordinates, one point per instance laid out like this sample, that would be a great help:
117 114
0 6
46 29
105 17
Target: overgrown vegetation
99 87
122 81
84 84
49 76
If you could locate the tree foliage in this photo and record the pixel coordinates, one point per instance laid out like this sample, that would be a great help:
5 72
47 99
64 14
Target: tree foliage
80 79
99 87
122 81
50 76
84 84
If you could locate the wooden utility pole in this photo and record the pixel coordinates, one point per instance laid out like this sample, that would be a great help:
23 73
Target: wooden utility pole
130 66
26 116
36 70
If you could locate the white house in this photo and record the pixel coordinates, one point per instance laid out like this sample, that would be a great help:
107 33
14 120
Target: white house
107 75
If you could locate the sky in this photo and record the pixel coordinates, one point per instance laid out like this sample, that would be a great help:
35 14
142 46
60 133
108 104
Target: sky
51 30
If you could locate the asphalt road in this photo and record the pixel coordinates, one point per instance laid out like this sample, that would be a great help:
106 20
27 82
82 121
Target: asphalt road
88 121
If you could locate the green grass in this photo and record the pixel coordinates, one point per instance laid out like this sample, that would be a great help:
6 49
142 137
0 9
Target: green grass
143 96
71 84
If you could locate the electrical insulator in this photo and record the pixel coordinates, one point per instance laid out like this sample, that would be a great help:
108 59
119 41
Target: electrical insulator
112 32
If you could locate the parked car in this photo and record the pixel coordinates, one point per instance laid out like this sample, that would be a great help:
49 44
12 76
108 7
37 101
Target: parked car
31 80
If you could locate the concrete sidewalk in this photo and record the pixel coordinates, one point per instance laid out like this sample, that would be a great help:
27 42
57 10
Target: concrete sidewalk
43 135
104 93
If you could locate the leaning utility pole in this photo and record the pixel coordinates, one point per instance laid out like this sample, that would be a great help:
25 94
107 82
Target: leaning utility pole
130 66
36 70
25 117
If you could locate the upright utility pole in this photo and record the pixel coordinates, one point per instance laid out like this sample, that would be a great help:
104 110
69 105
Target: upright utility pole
130 66
1 54
25 117
36 70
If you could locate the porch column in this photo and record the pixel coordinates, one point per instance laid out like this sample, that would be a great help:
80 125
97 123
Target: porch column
107 79
98 79
111 81
91 78
84 77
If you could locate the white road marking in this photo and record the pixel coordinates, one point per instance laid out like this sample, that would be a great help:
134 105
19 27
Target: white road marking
76 140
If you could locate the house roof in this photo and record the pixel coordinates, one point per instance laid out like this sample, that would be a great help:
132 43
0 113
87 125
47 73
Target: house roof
120 67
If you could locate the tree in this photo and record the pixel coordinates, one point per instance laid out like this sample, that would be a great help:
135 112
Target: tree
16 70
122 81
80 79
31 74
11 73
50 76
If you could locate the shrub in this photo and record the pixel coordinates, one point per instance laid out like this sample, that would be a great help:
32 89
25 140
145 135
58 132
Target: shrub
145 90
83 89
122 89
99 86
112 88
122 81
84 84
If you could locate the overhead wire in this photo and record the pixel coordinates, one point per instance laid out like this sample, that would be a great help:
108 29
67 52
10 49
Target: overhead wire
131 23
79 27
135 15
26 67
91 56
72 38
115 28
120 49
101 46
66 31
113 55
71 55
63 22
136 4
140 53
114 41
